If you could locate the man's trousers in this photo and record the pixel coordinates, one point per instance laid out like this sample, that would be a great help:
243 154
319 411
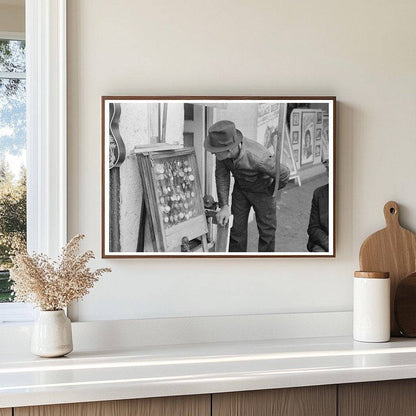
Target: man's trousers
264 206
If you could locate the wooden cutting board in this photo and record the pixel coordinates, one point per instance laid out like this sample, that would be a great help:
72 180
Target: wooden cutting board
393 250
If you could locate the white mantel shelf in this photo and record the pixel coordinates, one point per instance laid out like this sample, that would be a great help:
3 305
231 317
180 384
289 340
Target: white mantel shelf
151 371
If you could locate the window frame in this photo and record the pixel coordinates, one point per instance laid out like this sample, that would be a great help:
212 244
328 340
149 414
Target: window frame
46 126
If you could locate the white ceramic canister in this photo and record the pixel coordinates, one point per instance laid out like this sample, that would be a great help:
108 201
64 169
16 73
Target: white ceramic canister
371 313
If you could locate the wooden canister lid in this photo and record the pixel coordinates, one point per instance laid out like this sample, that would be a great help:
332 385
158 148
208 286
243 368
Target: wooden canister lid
372 275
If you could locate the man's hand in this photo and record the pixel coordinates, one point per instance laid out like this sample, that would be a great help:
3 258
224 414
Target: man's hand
223 215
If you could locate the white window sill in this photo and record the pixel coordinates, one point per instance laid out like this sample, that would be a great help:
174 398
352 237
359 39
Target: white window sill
16 313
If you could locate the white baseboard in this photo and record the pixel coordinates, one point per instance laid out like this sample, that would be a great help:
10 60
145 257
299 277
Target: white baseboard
169 331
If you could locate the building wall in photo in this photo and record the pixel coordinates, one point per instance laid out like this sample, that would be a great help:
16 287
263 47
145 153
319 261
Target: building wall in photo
243 115
247 48
139 126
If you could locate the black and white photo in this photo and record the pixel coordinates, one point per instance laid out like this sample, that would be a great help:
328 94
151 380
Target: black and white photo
218 176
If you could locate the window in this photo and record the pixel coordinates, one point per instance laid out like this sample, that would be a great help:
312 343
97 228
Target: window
12 154
45 27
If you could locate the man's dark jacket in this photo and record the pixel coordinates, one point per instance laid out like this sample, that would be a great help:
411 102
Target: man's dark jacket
318 221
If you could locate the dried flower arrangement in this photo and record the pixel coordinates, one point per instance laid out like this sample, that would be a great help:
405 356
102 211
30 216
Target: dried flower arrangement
53 285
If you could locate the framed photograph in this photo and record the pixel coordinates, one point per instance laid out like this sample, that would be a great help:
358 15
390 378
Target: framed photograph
308 137
295 137
218 176
307 148
319 118
296 155
296 119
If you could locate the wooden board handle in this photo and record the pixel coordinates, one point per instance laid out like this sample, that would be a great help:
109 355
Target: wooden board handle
391 214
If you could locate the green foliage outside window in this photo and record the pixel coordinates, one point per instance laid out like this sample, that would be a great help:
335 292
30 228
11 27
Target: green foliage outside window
12 224
12 145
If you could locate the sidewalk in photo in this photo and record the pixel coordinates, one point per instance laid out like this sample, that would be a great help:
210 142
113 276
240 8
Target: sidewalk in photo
293 209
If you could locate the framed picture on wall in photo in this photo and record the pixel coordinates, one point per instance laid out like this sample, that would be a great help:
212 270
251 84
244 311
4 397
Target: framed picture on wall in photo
296 155
295 137
218 176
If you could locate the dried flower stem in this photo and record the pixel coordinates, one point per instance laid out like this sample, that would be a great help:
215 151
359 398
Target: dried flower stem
53 285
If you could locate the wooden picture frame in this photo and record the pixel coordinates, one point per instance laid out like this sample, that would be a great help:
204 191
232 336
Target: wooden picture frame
149 193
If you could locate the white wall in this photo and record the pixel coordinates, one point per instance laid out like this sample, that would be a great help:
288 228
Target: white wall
361 51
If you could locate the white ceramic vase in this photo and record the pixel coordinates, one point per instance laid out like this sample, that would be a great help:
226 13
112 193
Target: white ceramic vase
52 334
